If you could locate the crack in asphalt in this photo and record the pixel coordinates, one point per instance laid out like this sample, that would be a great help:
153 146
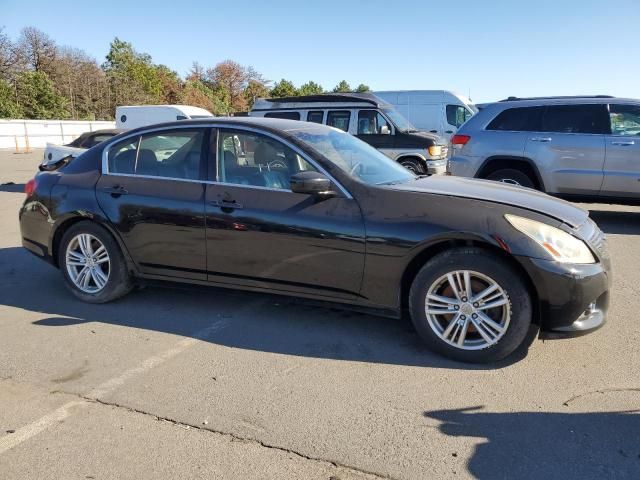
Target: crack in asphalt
602 390
231 435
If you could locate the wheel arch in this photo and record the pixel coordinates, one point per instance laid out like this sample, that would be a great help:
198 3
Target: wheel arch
422 256
72 219
525 164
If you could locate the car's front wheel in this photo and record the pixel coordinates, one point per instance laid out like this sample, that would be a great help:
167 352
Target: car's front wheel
470 305
92 264
414 165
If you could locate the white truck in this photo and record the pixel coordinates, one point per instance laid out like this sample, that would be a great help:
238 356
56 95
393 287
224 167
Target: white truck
435 111
134 116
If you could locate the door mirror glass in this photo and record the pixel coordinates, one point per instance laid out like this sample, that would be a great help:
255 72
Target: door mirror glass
309 182
384 130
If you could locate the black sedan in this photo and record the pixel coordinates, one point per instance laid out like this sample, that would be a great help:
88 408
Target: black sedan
303 209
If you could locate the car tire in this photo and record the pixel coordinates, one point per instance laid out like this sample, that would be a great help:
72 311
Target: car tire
92 264
414 165
513 316
512 176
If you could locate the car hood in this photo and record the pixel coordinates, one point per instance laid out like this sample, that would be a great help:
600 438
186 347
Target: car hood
437 140
496 192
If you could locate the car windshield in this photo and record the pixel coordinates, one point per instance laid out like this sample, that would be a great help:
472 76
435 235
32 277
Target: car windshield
354 157
399 121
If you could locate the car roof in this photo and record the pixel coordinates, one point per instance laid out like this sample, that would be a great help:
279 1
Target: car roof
564 100
271 124
316 101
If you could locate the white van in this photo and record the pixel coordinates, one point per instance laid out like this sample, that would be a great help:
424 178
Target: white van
436 111
134 116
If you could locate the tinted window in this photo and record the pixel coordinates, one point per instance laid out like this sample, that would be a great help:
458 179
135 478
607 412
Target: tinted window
339 119
520 119
253 159
315 117
576 119
370 122
285 115
173 154
457 115
625 119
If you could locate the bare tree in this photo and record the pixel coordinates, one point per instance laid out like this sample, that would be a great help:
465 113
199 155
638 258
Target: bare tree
36 50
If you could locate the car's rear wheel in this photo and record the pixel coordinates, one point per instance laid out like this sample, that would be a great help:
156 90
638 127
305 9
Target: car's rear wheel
512 177
92 264
413 164
470 305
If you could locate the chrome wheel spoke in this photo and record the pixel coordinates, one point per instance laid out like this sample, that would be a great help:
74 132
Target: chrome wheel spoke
463 333
98 277
485 319
480 297
497 303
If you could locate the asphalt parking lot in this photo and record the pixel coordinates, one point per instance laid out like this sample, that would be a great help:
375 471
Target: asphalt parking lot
209 383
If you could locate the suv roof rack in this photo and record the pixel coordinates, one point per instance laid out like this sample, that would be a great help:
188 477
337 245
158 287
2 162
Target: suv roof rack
330 98
561 97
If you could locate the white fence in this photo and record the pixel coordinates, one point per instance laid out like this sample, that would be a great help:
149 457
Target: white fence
23 135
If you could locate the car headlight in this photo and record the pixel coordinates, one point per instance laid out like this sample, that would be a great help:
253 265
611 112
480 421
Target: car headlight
560 245
435 150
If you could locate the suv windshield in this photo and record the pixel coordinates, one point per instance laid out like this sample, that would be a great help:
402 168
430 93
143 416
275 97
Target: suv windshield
398 120
354 157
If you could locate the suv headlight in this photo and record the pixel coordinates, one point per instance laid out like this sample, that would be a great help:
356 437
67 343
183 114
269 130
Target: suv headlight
560 245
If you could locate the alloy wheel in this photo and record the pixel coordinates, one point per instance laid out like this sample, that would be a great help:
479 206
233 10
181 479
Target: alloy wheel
88 263
468 310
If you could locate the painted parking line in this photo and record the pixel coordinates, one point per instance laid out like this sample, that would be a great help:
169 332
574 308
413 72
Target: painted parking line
28 431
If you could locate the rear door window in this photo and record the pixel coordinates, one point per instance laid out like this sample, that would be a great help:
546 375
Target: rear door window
285 115
339 119
576 119
315 117
520 119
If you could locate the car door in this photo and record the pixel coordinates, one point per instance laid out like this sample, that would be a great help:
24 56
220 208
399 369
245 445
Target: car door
568 148
622 164
261 234
152 190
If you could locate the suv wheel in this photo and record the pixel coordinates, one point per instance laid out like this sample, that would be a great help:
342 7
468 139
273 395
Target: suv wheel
470 305
512 177
413 164
92 264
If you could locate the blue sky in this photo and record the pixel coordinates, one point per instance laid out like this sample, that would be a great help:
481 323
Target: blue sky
491 49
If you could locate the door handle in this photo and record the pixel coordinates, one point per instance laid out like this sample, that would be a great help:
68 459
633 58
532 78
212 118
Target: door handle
448 131
230 204
433 131
541 139
623 143
115 190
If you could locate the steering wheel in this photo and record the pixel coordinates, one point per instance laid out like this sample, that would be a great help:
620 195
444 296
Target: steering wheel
354 168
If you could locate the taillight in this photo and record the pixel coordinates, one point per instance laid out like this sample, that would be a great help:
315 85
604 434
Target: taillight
460 139
30 187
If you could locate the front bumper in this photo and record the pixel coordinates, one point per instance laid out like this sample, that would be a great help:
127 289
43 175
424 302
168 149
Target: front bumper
436 167
573 299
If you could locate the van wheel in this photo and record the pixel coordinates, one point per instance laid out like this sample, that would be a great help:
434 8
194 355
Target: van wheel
414 165
470 305
92 264
512 177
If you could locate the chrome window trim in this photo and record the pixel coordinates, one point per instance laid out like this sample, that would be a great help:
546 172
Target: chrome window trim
231 126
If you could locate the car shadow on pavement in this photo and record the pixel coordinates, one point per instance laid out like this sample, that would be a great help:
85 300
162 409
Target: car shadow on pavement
12 187
260 322
623 223
534 445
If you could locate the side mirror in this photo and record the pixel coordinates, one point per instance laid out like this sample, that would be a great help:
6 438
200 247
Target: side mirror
384 130
309 182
